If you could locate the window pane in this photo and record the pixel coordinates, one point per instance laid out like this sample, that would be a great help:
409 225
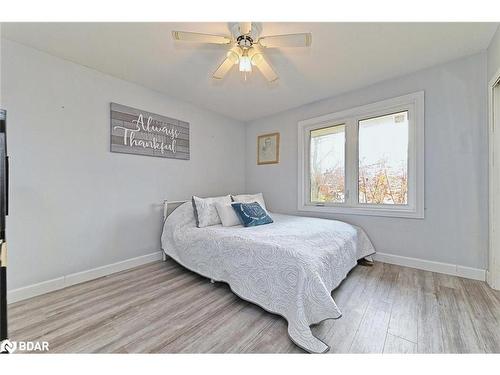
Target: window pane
328 164
383 159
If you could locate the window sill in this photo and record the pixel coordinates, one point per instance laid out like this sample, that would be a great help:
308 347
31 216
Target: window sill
364 211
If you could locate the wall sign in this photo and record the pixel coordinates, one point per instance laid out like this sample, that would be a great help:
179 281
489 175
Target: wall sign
143 133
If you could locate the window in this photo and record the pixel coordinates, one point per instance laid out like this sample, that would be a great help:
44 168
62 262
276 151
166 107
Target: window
367 160
383 159
327 164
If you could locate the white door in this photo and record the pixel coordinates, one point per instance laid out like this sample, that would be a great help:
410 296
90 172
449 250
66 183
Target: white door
494 256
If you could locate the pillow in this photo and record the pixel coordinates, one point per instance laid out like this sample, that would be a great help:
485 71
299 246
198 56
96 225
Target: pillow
251 214
205 212
227 214
249 198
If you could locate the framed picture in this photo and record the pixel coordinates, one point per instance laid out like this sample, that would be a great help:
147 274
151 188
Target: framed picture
268 148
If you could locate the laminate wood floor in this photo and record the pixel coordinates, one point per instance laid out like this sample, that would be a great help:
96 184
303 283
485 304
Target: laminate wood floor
163 308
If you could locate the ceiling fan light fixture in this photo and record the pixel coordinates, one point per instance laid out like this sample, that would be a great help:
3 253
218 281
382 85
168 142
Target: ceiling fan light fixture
245 63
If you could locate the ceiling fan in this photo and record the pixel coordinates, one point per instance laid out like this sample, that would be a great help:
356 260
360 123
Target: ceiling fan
247 47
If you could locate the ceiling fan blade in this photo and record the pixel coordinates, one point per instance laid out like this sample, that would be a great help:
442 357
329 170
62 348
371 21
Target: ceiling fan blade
231 59
261 63
245 28
288 40
186 36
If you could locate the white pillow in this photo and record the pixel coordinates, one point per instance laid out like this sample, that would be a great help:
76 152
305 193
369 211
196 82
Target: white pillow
205 211
249 198
227 214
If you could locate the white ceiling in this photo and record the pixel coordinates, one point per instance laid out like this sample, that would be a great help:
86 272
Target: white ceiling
343 57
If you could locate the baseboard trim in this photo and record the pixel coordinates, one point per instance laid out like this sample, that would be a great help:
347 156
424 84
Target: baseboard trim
43 287
34 290
429 265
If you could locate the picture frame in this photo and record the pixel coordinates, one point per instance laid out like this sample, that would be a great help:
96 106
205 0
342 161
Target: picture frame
268 148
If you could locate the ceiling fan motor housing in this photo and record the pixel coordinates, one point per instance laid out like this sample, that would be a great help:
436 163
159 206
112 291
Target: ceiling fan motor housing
245 41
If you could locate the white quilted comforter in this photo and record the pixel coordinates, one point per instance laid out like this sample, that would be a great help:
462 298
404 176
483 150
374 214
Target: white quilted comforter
288 267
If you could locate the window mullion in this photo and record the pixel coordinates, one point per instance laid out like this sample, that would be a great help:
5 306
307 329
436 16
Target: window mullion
351 174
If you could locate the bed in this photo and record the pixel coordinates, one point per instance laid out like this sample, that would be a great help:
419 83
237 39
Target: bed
289 267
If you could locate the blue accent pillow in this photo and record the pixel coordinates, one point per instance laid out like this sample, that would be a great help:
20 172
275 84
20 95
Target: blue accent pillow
251 214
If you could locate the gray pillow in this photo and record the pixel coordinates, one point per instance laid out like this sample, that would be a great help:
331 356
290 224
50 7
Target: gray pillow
205 212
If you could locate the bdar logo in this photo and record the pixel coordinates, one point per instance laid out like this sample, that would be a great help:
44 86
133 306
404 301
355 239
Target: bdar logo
7 346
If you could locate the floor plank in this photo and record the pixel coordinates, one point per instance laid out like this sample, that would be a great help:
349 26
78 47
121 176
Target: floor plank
429 329
394 344
459 332
352 297
163 308
273 339
403 322
372 331
484 314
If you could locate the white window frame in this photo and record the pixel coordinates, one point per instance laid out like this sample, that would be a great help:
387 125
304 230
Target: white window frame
414 104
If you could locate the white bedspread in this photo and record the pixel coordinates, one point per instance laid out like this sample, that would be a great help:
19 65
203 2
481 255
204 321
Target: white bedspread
288 267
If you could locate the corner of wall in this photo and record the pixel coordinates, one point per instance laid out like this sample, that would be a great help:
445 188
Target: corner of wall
493 55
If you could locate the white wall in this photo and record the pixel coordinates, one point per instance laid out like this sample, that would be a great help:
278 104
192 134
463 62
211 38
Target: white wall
494 55
75 205
456 154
